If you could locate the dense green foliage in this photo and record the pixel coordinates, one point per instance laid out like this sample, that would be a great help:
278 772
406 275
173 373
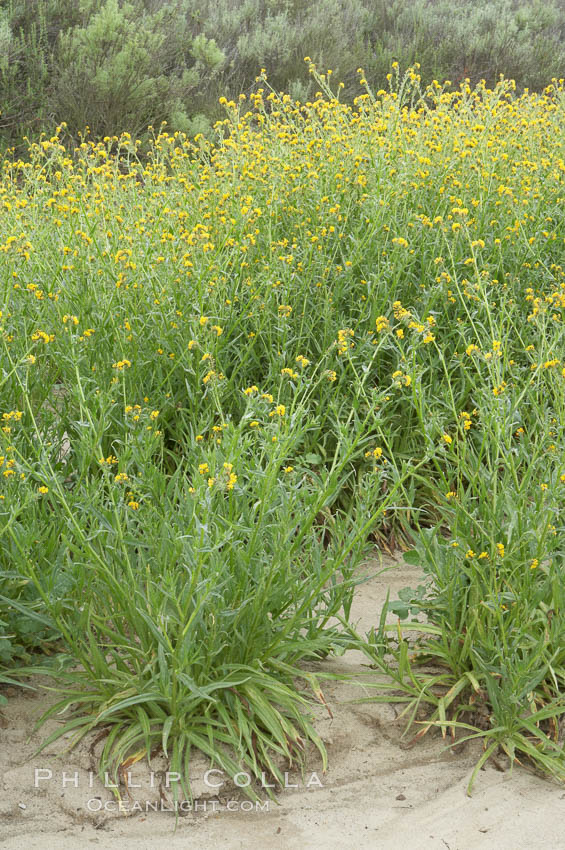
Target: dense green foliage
115 65
228 369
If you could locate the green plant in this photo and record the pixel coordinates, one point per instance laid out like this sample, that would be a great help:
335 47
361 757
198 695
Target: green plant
228 368
197 621
494 569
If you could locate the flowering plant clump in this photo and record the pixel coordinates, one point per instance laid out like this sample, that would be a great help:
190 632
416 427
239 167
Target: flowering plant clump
345 311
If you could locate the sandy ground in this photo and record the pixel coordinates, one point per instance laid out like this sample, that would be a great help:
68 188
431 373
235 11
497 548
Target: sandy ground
376 793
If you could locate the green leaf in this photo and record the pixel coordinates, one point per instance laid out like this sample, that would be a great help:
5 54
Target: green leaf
412 557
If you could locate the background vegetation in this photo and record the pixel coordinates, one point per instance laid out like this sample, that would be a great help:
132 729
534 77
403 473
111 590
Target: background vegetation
115 65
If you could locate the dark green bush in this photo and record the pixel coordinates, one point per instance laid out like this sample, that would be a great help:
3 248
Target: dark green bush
110 65
131 65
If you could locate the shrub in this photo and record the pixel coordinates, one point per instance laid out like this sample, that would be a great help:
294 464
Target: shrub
103 65
130 67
